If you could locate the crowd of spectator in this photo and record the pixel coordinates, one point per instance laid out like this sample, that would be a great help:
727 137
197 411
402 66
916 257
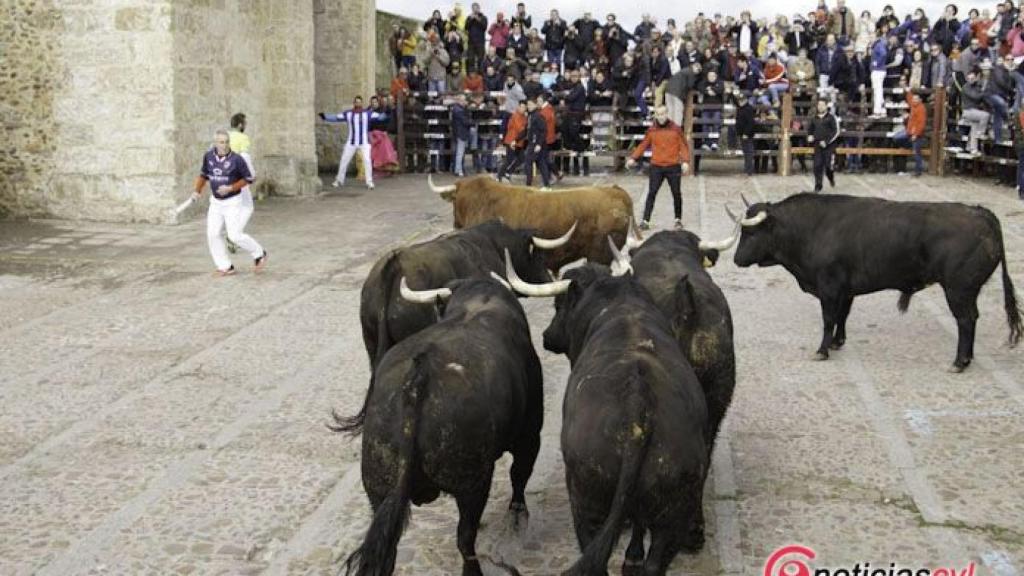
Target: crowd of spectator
832 52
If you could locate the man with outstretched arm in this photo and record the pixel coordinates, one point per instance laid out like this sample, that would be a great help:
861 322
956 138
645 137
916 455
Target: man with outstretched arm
358 120
670 158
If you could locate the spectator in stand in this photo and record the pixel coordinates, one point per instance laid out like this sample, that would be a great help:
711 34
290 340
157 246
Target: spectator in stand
995 80
744 34
624 80
575 49
454 45
514 141
1001 24
515 66
823 132
437 65
535 50
616 39
801 71
408 47
913 136
476 30
879 61
536 145
473 82
842 24
532 86
745 130
660 73
917 77
938 68
586 27
670 159
499 31
524 20
888 20
945 31
434 24
512 97
460 134
710 93
826 59
550 78
844 74
798 38
865 32
493 80
400 85
554 31
775 79
748 75
517 41
600 94
1015 37
417 79
644 28
395 47
972 98
455 77
494 60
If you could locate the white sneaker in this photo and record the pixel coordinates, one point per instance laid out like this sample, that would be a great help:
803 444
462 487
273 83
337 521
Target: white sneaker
369 185
337 184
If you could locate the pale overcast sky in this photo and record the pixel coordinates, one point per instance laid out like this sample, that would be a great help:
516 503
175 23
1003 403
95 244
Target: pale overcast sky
629 17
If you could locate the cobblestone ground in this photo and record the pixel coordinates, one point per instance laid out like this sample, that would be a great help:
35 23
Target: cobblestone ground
157 420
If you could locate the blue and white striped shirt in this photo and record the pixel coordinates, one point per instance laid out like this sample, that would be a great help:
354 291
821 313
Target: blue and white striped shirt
358 124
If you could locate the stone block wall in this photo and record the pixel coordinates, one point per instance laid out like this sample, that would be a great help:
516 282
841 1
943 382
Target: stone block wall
107 106
344 52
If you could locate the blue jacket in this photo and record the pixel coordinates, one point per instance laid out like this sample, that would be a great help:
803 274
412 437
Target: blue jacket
460 122
879 55
822 63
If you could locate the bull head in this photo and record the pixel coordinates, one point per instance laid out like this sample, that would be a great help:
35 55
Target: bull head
745 222
446 192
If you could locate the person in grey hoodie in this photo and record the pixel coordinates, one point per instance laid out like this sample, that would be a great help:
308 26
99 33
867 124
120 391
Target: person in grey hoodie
437 65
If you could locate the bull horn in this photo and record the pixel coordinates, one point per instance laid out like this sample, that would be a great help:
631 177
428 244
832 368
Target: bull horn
439 189
546 244
752 221
620 263
633 239
423 296
721 245
541 290
746 203
572 266
497 277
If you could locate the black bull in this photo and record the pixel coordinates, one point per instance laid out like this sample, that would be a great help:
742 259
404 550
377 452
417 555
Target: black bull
442 406
633 435
474 252
839 247
670 266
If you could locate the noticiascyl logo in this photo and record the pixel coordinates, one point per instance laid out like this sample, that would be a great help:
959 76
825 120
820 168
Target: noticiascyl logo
776 566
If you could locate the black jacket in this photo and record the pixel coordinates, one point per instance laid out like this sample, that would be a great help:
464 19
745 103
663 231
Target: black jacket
460 122
797 40
944 33
576 98
711 92
824 129
586 29
554 34
476 28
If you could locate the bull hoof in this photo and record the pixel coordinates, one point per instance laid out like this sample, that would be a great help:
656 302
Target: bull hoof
820 356
959 366
518 517
836 344
471 568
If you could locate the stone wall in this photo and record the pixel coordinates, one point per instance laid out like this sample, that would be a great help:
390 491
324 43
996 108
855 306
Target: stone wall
106 106
345 60
385 67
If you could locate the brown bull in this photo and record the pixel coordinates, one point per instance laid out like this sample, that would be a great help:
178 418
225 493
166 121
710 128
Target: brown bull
598 212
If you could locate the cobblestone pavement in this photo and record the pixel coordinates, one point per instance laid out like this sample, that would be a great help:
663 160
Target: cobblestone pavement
157 420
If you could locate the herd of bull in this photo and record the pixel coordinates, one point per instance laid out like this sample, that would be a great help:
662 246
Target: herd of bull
456 381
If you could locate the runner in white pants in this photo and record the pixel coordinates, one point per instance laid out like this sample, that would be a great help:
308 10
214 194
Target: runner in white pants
227 173
358 120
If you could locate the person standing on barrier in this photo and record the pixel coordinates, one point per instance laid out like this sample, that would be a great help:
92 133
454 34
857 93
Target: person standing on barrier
914 133
823 133
670 159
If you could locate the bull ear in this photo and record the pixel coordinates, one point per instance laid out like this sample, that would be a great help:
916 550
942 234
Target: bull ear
685 307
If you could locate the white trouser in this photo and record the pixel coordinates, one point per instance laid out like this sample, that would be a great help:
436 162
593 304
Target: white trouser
978 122
877 94
247 192
346 158
233 214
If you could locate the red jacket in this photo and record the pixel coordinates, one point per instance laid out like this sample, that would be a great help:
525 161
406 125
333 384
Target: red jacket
516 127
918 116
548 112
669 146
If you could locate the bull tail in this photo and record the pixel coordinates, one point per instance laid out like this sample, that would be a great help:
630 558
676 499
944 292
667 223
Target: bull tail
376 556
633 226
1010 304
638 406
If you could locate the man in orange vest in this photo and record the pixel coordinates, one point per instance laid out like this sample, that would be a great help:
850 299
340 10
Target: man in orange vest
548 112
914 134
515 142
670 159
